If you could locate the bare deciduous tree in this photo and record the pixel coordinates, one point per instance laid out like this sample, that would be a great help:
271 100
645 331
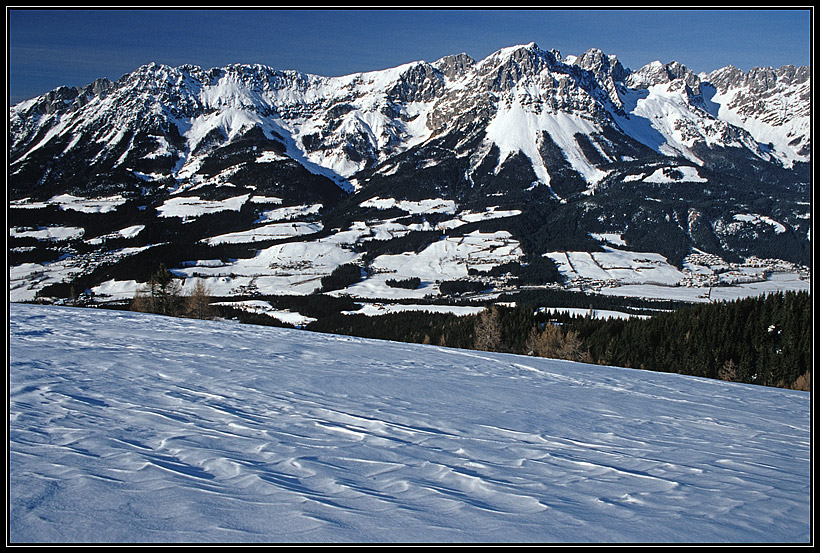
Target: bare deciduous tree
488 330
199 302
553 343
160 295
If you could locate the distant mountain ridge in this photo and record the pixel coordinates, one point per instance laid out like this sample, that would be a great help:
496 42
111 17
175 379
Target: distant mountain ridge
579 142
346 124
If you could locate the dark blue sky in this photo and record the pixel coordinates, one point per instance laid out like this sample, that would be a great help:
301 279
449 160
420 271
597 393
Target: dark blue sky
49 48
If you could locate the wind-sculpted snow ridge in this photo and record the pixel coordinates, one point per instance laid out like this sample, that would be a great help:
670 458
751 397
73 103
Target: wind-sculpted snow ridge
126 427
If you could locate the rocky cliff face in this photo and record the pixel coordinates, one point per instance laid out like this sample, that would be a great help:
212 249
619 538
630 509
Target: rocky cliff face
773 104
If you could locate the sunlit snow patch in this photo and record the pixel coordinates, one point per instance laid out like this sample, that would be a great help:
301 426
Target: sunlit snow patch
275 231
52 234
616 266
187 207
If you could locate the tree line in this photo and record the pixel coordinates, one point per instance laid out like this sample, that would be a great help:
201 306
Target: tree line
762 340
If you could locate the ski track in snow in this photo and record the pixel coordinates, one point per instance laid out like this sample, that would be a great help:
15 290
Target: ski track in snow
126 427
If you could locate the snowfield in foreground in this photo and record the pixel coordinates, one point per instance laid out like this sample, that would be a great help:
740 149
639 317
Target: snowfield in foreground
127 427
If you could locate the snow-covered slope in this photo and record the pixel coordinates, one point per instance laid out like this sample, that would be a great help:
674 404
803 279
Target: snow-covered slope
133 428
769 103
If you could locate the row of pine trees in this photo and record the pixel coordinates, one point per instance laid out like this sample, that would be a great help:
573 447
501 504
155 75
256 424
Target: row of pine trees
761 340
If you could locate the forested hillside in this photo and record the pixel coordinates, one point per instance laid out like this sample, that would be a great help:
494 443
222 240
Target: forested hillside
764 340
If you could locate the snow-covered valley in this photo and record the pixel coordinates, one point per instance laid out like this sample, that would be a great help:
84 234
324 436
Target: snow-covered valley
127 427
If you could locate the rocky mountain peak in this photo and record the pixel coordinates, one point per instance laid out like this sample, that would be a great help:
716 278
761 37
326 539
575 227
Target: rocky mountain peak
760 80
600 64
725 77
455 66
656 73
421 82
504 69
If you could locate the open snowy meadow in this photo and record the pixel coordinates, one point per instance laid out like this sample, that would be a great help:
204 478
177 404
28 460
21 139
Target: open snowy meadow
128 427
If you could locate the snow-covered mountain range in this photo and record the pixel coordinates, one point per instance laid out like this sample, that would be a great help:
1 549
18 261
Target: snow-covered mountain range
526 149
